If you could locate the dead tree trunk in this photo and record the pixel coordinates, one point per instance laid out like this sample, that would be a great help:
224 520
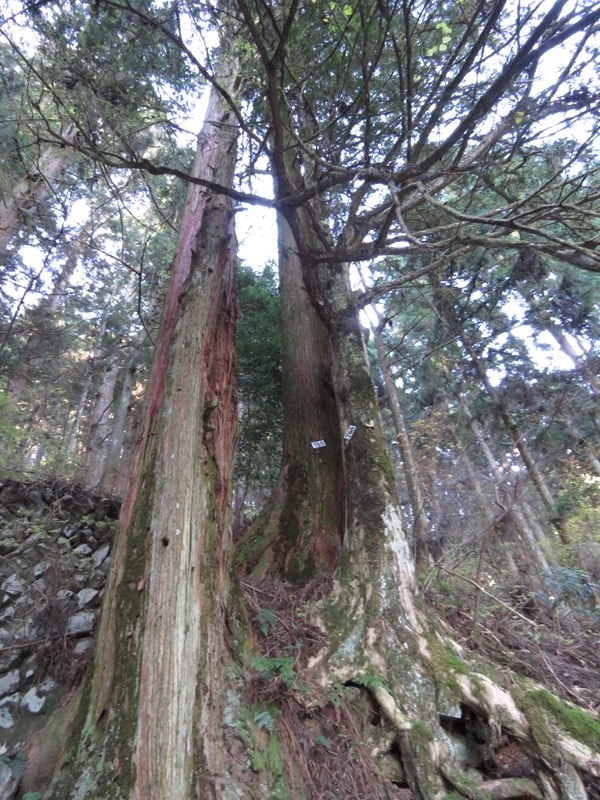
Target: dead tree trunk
152 712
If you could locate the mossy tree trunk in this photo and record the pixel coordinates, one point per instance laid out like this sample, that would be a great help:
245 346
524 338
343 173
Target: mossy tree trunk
151 714
377 633
301 533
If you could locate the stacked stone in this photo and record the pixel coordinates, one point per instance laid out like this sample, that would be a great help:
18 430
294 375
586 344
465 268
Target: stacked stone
55 542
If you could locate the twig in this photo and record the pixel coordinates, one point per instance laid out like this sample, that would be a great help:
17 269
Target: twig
491 596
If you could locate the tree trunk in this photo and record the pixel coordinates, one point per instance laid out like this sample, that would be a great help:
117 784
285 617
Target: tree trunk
448 318
413 483
114 462
301 533
71 443
518 441
528 536
156 714
39 320
152 713
36 186
100 422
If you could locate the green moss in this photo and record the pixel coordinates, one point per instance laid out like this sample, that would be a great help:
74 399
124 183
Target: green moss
256 727
490 672
540 706
252 547
421 734
456 664
445 666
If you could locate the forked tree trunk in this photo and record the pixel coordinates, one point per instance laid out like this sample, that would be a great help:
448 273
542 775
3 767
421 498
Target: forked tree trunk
377 635
152 712
376 626
154 720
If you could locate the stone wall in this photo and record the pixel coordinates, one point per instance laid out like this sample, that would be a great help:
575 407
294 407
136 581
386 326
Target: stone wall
55 542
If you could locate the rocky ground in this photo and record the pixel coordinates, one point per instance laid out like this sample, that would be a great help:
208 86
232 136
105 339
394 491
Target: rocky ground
55 542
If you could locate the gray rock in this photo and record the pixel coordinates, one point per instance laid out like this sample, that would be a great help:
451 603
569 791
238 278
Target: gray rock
79 581
88 597
31 666
8 782
8 612
82 622
40 569
100 555
9 658
82 646
89 538
10 700
32 702
6 718
13 585
9 682
82 550
464 749
71 529
34 496
65 594
46 686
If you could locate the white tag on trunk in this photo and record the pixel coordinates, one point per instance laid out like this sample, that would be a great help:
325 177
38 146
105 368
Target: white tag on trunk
316 445
349 433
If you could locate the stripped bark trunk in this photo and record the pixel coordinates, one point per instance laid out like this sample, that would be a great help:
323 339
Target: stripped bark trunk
152 718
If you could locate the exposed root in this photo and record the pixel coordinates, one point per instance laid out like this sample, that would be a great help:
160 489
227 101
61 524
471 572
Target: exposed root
503 789
481 693
390 710
370 739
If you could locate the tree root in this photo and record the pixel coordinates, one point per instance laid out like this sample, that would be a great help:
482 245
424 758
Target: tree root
390 710
558 755
501 789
